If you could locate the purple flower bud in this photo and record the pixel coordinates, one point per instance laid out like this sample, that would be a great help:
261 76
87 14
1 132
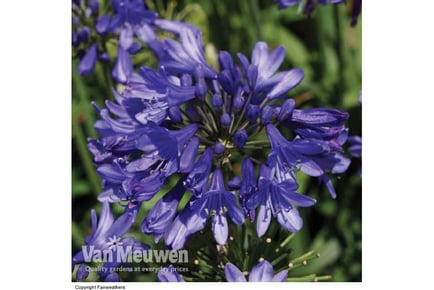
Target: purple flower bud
75 20
252 76
225 60
134 48
266 114
191 112
104 57
123 67
94 6
219 148
87 63
252 113
75 42
82 273
102 25
112 277
188 156
217 101
83 34
225 119
240 138
175 114
286 109
238 102
234 183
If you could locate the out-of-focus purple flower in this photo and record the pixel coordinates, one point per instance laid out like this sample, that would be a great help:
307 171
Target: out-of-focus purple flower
169 274
186 55
82 273
123 67
287 3
355 146
87 63
112 277
262 272
162 214
309 6
132 18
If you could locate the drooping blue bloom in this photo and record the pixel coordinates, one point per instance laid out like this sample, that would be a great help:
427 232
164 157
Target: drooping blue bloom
169 274
314 157
123 68
162 214
87 63
185 56
107 235
197 179
84 15
82 273
216 203
248 186
262 272
355 146
132 18
277 197
318 123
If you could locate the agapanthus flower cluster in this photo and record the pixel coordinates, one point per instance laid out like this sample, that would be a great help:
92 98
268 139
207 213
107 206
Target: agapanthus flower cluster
200 125
127 23
308 6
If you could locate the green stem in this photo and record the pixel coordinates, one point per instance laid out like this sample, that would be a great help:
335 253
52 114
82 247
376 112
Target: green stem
86 158
254 9
80 90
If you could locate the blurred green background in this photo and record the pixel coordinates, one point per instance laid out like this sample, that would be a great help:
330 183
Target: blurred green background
324 46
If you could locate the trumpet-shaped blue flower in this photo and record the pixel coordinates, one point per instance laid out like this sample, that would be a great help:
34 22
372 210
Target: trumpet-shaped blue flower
262 272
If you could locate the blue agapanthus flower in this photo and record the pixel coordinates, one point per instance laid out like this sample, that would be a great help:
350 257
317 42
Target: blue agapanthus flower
107 236
129 23
190 122
262 272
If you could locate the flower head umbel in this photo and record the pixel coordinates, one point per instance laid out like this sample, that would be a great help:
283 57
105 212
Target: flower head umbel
191 122
128 24
262 272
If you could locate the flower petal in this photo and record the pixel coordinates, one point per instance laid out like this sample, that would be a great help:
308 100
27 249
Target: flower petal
263 220
280 277
290 80
233 274
262 272
220 228
87 63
